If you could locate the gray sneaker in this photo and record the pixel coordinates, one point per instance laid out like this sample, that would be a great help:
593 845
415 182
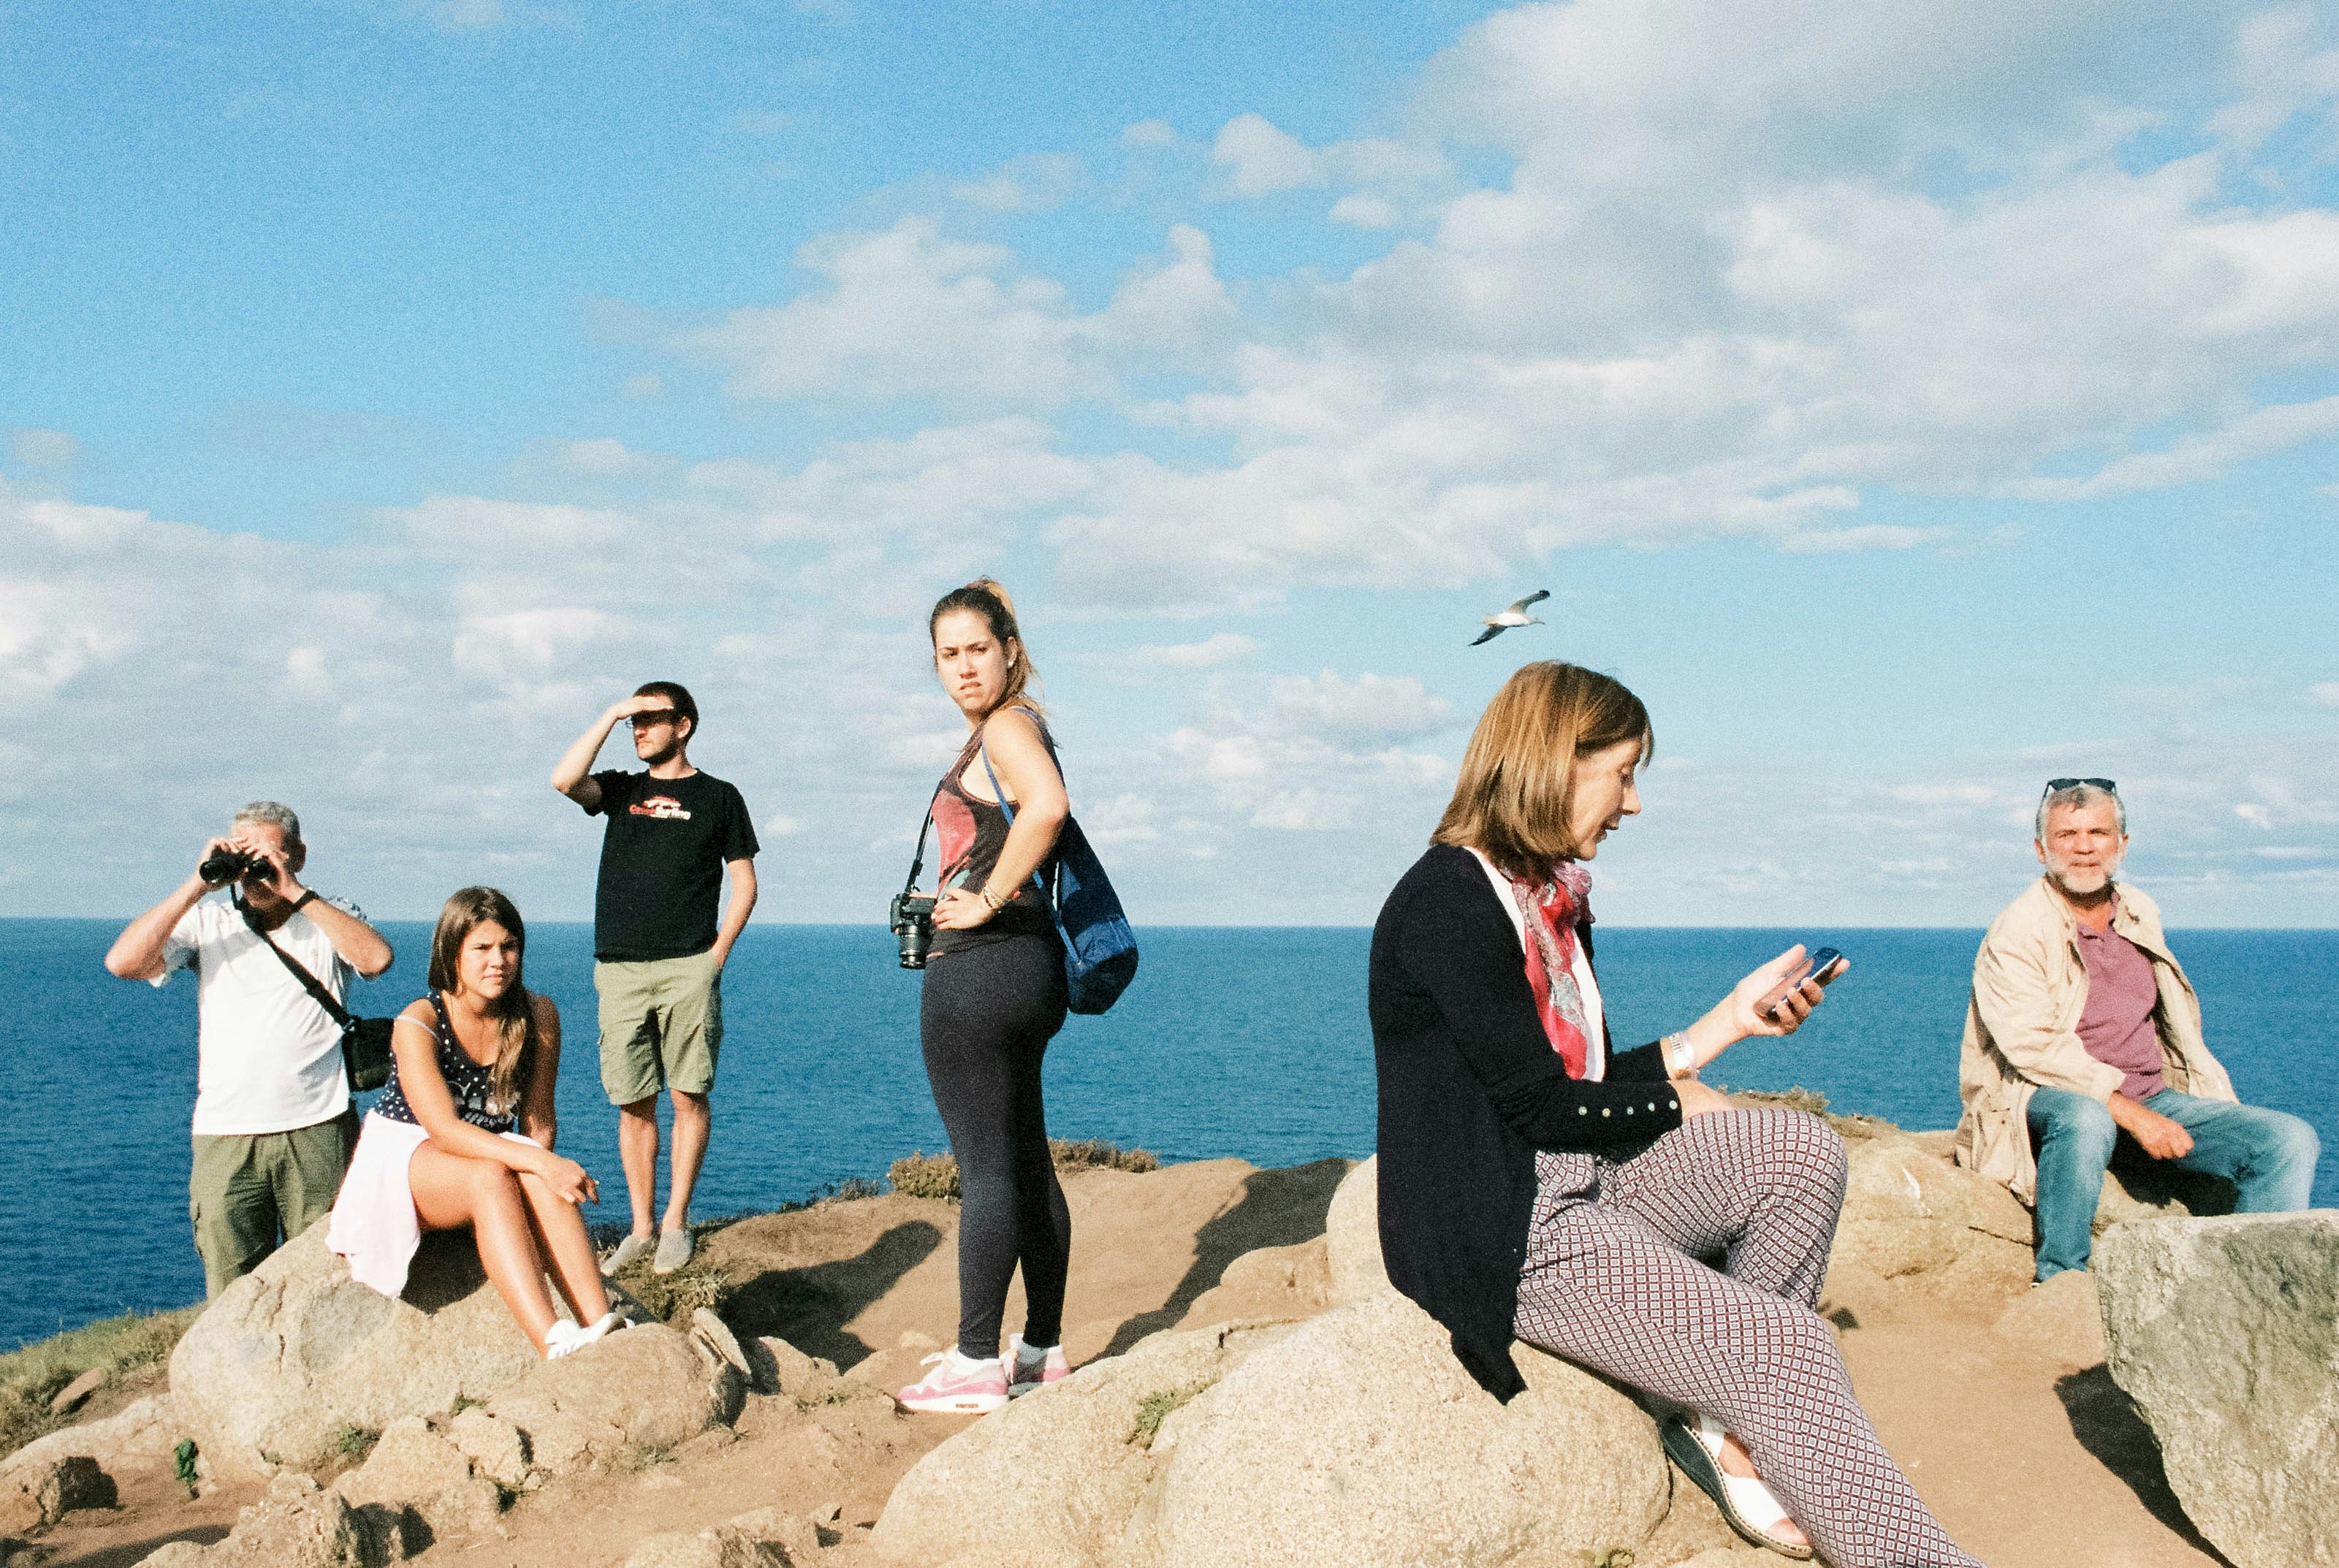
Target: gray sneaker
627 1252
672 1249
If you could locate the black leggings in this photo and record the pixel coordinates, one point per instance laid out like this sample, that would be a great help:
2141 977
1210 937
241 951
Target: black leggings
985 1017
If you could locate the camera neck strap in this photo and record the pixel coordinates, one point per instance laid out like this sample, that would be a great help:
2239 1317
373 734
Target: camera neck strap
300 971
918 861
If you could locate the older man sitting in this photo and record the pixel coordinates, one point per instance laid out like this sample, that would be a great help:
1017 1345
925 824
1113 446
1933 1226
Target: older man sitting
2084 1038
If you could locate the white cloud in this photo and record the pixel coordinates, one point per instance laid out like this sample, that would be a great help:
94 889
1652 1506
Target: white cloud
1370 709
45 448
646 386
779 824
513 644
1261 160
1150 133
1218 648
2325 693
1118 819
1034 184
907 311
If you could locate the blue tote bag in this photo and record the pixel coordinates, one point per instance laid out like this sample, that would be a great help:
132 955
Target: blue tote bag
1100 949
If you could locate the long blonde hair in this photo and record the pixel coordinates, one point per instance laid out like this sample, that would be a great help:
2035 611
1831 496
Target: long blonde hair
986 597
469 909
1518 776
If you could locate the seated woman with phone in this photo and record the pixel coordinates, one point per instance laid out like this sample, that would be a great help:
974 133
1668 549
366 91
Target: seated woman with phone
1536 1184
462 1137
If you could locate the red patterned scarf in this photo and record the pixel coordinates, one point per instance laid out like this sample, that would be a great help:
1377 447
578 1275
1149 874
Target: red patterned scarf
1552 912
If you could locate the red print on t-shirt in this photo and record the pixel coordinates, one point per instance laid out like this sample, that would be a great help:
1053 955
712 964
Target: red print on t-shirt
660 805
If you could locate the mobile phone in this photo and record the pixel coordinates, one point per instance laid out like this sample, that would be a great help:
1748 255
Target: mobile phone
1826 964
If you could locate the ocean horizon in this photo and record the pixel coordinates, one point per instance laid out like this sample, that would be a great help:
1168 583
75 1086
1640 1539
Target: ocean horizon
1246 1041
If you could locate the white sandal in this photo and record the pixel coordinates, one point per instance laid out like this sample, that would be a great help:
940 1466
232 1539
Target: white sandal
1749 1505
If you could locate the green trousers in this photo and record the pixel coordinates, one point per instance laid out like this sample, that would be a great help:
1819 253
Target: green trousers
247 1188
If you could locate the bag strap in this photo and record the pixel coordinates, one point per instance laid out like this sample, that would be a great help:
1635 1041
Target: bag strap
309 983
1004 805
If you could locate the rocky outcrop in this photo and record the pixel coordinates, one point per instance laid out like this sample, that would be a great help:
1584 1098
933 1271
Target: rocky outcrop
144 1431
766 1538
1352 1236
1267 1467
1055 1477
35 1496
1252 1447
646 1389
1913 1217
297 1526
2225 1333
424 1481
296 1351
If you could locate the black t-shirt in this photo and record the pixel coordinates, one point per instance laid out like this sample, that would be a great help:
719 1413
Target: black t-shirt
661 862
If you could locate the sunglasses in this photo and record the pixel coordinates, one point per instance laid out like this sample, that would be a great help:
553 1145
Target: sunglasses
651 719
2105 784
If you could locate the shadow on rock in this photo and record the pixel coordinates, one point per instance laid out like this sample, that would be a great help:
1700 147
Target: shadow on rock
125 1554
810 1306
2105 1422
1280 1208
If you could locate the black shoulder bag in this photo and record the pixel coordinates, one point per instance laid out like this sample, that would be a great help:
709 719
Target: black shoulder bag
365 1041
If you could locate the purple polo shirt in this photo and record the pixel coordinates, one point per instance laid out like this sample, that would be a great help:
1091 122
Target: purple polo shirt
2115 1026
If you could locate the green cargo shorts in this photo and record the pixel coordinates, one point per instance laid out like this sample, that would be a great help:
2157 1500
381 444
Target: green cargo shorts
661 1025
244 1186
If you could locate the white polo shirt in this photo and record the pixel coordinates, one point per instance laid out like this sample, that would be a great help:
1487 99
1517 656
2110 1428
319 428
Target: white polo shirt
269 1058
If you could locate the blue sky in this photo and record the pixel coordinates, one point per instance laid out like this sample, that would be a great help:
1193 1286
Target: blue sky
1909 406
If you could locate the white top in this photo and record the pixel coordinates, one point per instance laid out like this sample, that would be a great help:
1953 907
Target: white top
269 1058
1595 1018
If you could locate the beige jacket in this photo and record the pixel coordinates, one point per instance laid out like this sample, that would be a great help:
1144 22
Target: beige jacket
2022 1028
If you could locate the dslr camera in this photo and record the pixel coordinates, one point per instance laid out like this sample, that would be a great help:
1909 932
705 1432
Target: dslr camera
912 918
230 865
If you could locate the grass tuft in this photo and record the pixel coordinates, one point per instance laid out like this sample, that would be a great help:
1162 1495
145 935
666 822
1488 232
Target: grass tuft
1155 1408
923 1175
31 1375
354 1442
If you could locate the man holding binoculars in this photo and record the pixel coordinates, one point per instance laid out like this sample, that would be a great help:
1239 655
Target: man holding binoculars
273 1127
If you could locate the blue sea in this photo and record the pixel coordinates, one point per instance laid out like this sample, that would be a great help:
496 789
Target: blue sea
1246 1041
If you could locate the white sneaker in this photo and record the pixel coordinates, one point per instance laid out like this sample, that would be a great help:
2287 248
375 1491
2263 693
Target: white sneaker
1033 1366
674 1248
561 1339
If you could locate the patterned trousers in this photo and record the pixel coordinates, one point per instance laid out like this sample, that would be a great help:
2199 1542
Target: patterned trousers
1613 1281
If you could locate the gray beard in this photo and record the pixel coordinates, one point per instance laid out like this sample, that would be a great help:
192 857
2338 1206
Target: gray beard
2061 877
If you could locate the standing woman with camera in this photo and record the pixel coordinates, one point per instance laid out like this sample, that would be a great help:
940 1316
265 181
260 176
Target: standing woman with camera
994 996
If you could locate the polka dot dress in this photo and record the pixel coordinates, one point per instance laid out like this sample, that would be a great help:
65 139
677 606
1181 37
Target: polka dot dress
1613 1281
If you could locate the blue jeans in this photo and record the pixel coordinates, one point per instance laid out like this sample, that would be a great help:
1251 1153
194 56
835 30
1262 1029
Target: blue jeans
2269 1155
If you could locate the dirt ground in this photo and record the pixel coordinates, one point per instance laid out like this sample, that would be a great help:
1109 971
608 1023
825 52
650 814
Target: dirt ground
2030 1458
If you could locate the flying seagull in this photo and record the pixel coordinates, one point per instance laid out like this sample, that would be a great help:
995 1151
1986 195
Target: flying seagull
1516 615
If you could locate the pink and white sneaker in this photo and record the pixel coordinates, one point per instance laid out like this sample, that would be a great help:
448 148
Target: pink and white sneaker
1033 1366
958 1386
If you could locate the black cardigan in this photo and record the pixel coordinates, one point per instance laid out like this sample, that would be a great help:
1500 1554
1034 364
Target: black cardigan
1470 1088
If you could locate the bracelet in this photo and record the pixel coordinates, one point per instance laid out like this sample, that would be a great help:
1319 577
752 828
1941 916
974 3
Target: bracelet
306 894
1680 1056
993 899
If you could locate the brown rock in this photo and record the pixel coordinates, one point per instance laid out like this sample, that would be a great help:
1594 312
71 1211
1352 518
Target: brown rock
296 1350
781 1368
2059 1319
496 1448
70 1396
35 1496
297 1526
1352 1236
1916 1220
643 1389
143 1430
1273 1466
413 1470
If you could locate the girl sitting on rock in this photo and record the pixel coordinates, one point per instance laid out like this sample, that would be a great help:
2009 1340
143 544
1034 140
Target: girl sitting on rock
1536 1184
462 1136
